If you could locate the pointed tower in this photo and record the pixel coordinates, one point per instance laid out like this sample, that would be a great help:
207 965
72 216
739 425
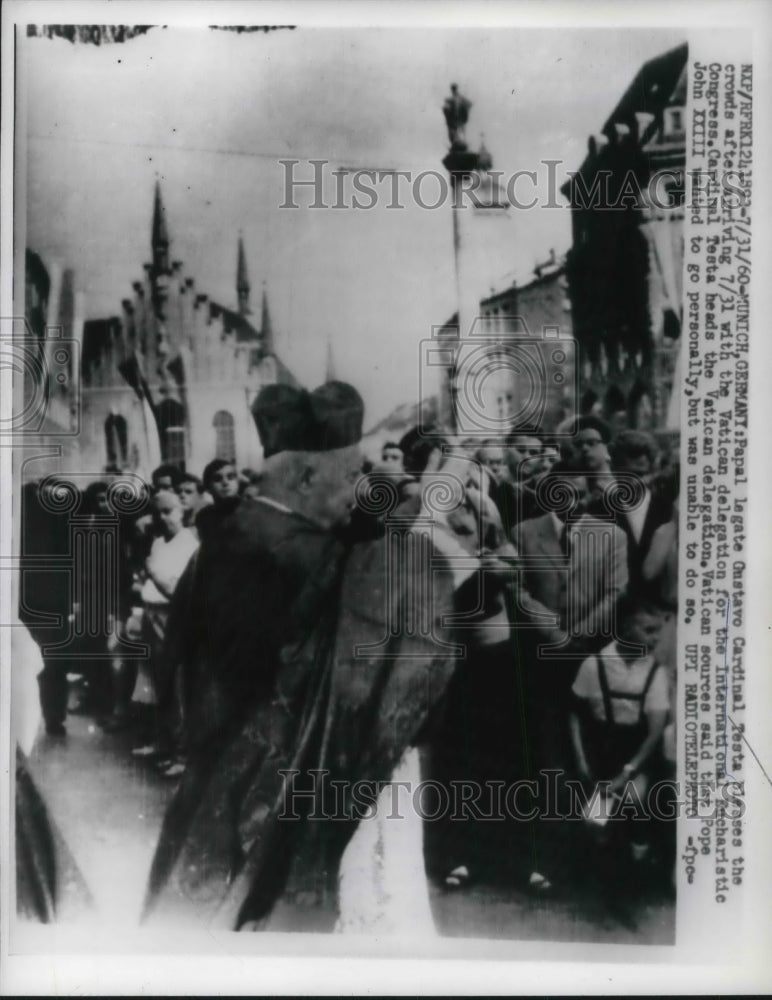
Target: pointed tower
266 330
476 266
242 281
330 374
160 235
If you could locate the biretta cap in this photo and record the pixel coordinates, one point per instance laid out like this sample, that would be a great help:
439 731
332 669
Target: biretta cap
291 419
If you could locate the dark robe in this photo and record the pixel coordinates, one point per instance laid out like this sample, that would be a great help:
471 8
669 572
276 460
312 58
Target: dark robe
49 885
308 655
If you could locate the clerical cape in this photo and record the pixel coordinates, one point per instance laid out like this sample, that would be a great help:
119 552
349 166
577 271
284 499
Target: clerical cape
311 664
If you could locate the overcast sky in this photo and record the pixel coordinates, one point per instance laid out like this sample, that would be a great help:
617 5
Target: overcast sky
211 114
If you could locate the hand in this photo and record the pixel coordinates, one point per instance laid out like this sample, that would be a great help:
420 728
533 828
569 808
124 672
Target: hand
618 783
133 627
491 563
112 634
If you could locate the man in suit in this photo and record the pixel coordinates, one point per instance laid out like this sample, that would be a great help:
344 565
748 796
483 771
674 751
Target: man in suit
634 456
590 441
575 565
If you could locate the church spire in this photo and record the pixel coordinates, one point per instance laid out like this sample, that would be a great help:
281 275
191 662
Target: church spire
330 373
266 330
242 281
160 235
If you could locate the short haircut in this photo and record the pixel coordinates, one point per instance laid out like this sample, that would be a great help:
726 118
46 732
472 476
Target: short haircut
164 471
212 469
632 444
94 489
165 495
591 422
550 441
416 447
490 443
630 605
188 477
91 492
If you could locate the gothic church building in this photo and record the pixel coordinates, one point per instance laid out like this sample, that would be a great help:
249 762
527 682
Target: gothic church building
173 378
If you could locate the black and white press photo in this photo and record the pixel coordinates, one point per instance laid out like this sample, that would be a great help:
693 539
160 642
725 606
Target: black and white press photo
376 466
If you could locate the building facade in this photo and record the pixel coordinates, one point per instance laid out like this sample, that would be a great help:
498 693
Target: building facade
520 362
174 376
625 265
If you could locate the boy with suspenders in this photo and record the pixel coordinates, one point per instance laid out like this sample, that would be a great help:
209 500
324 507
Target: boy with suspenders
620 711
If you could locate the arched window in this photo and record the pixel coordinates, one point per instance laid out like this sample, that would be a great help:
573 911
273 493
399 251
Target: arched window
116 440
225 443
170 417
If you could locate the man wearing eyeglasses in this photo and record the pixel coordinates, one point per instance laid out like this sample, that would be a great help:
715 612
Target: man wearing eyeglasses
591 445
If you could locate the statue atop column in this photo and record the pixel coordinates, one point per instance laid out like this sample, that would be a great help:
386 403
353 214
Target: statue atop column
456 111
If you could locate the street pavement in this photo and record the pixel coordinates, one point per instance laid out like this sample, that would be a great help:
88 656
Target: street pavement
109 806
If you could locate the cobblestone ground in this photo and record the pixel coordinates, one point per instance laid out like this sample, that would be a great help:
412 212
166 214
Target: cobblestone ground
108 806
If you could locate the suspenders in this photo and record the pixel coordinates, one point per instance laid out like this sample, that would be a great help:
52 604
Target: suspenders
608 694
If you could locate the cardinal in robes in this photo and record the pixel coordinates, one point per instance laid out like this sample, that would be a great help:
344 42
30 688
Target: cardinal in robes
315 648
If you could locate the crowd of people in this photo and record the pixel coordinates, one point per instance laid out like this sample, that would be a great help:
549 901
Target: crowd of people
584 529
106 656
243 604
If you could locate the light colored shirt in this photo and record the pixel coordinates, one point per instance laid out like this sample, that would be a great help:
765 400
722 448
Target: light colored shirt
624 676
637 515
168 560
